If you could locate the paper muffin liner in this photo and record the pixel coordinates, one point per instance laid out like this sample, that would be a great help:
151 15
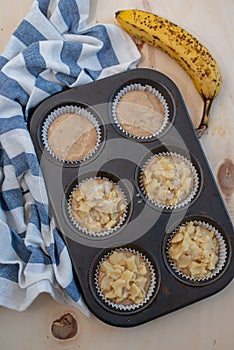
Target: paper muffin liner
131 307
75 110
148 88
222 255
84 230
190 196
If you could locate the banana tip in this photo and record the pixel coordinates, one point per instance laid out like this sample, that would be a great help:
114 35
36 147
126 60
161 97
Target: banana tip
117 13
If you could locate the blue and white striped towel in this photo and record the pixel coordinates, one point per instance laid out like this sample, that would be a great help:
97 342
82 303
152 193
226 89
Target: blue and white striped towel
52 48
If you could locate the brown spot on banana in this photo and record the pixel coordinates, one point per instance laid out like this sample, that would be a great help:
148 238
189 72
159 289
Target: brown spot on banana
156 37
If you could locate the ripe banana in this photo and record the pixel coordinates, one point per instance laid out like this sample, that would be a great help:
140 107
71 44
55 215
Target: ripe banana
187 50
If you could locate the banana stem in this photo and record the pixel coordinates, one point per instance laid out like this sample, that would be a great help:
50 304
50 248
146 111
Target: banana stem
205 117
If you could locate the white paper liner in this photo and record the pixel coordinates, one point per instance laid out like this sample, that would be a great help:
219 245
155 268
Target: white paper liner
222 256
130 307
149 88
69 109
85 230
192 193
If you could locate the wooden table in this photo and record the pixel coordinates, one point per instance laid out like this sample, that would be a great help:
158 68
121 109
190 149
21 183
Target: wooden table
205 325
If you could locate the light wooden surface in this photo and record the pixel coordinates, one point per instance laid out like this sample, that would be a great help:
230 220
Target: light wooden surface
205 325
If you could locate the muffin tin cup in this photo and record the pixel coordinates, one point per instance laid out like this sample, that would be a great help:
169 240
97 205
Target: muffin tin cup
155 92
74 110
190 196
84 230
154 284
222 256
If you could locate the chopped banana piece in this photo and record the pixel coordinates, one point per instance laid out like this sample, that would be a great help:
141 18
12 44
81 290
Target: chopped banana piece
106 284
116 258
128 276
131 264
142 270
141 282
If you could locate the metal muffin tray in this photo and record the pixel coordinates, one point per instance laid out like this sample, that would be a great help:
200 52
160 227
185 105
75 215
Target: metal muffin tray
147 227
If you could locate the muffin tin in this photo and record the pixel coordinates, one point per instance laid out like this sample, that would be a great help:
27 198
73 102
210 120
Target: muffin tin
146 228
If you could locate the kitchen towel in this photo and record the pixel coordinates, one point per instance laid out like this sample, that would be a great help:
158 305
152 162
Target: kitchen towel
53 47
